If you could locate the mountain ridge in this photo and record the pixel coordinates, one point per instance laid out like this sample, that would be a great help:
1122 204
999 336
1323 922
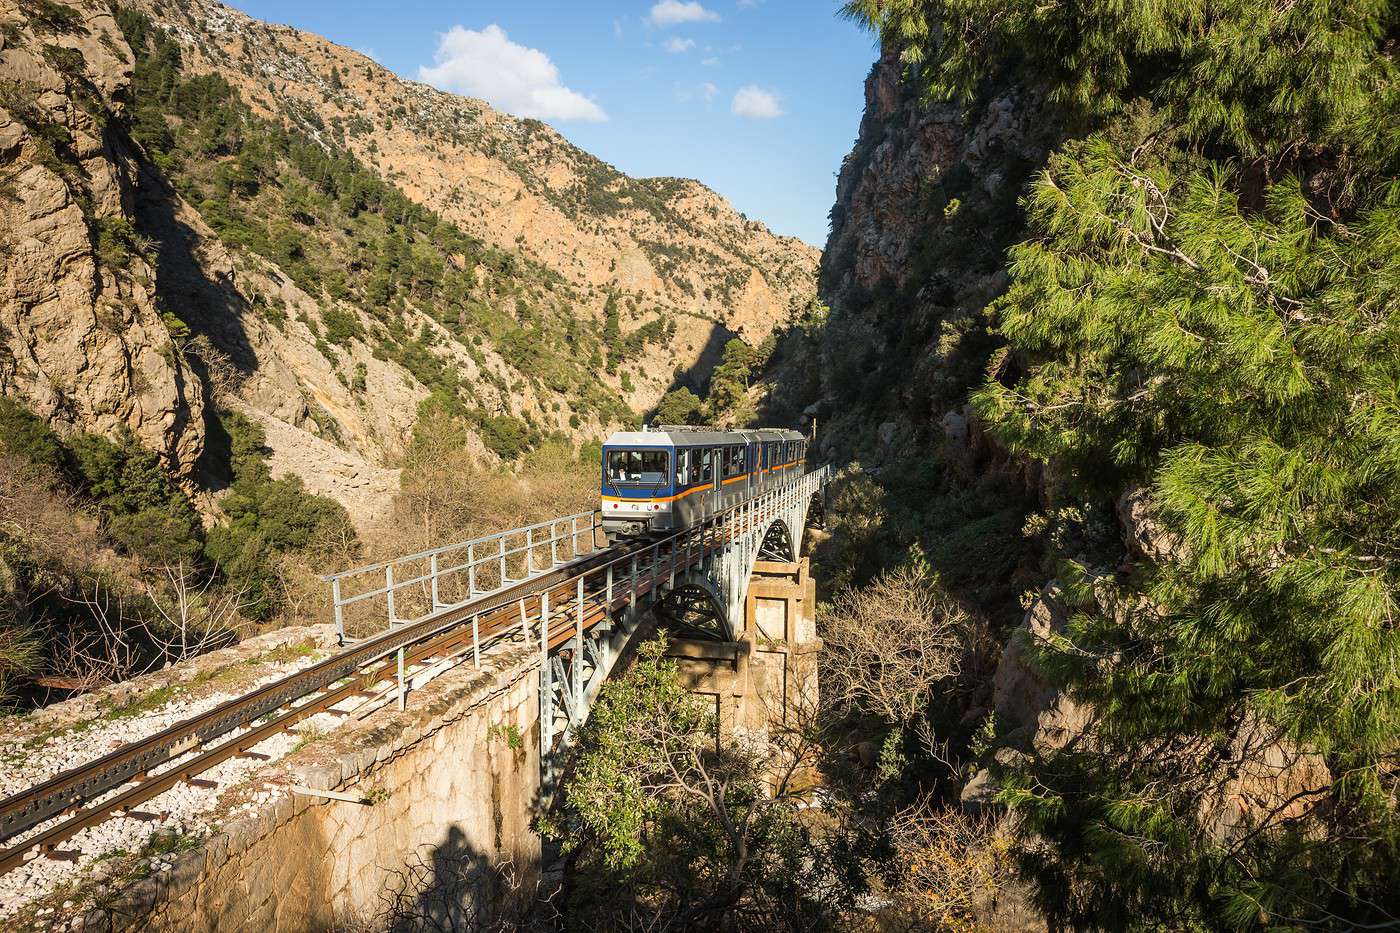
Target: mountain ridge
296 234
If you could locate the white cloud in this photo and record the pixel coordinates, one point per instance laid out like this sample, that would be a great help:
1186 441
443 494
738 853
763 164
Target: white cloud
617 29
672 12
676 46
711 61
705 92
517 79
756 103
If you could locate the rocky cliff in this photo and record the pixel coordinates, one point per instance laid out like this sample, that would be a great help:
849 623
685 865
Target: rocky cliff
199 211
82 339
926 205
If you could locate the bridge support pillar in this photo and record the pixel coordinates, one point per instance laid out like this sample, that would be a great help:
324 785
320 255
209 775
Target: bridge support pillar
768 676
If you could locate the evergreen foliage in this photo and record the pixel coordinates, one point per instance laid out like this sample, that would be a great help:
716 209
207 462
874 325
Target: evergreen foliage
148 515
679 406
26 435
1205 302
728 401
268 517
145 511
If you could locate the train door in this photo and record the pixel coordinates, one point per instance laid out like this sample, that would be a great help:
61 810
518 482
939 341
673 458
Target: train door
703 478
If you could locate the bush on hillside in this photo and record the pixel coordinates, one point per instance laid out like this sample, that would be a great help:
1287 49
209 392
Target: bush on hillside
146 512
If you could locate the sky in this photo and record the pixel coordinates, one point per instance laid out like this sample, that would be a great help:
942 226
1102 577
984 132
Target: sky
759 99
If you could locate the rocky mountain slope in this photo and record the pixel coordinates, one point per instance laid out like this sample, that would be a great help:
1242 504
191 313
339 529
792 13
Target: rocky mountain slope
201 212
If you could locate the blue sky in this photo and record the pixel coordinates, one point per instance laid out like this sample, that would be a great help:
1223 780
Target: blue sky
759 99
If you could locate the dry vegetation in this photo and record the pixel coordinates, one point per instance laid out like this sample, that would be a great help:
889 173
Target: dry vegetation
952 867
449 495
890 643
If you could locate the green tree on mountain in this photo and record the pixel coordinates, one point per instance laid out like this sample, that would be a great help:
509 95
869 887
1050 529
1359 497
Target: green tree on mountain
679 406
729 402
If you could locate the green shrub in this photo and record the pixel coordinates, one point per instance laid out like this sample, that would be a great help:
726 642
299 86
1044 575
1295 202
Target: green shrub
505 435
679 406
47 16
117 243
24 434
147 513
341 326
267 518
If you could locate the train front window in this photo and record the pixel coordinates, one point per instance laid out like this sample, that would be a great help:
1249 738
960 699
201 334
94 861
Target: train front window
638 467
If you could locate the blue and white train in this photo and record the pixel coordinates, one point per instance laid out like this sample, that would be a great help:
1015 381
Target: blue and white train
672 477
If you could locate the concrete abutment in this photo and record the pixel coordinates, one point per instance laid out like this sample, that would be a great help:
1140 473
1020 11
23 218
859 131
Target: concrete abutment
768 675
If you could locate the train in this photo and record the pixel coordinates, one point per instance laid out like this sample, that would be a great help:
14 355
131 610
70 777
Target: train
667 479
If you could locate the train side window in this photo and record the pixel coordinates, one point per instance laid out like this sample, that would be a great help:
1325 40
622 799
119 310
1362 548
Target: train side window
682 467
733 461
707 468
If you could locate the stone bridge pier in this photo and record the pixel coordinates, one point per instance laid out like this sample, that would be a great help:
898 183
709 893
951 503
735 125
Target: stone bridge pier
768 675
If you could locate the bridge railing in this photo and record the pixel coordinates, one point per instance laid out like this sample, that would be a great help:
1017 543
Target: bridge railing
416 586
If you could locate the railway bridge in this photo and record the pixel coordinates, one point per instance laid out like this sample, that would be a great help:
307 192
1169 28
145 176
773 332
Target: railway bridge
559 585
552 608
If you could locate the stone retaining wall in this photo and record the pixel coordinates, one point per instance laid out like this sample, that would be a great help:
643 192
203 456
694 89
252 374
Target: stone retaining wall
453 781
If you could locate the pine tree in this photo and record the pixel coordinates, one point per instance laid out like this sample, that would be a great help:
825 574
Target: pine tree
679 406
728 401
1206 303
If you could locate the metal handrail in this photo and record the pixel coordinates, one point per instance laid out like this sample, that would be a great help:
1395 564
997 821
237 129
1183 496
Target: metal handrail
443 549
492 563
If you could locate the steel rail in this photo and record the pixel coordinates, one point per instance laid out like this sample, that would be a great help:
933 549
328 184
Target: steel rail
67 792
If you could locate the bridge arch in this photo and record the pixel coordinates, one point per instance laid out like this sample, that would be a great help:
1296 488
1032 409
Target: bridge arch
695 608
777 543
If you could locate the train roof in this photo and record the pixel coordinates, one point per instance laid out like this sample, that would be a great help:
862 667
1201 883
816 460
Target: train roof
684 436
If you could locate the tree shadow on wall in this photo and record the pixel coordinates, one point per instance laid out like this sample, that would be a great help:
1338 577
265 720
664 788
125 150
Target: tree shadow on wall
453 887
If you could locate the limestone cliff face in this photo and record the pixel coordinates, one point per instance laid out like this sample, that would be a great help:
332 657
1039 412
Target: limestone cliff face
926 205
81 333
121 308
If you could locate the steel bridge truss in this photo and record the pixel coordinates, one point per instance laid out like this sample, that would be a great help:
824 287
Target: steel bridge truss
695 580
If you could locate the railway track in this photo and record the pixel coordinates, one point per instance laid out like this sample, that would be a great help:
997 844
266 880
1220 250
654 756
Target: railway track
575 597
151 766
